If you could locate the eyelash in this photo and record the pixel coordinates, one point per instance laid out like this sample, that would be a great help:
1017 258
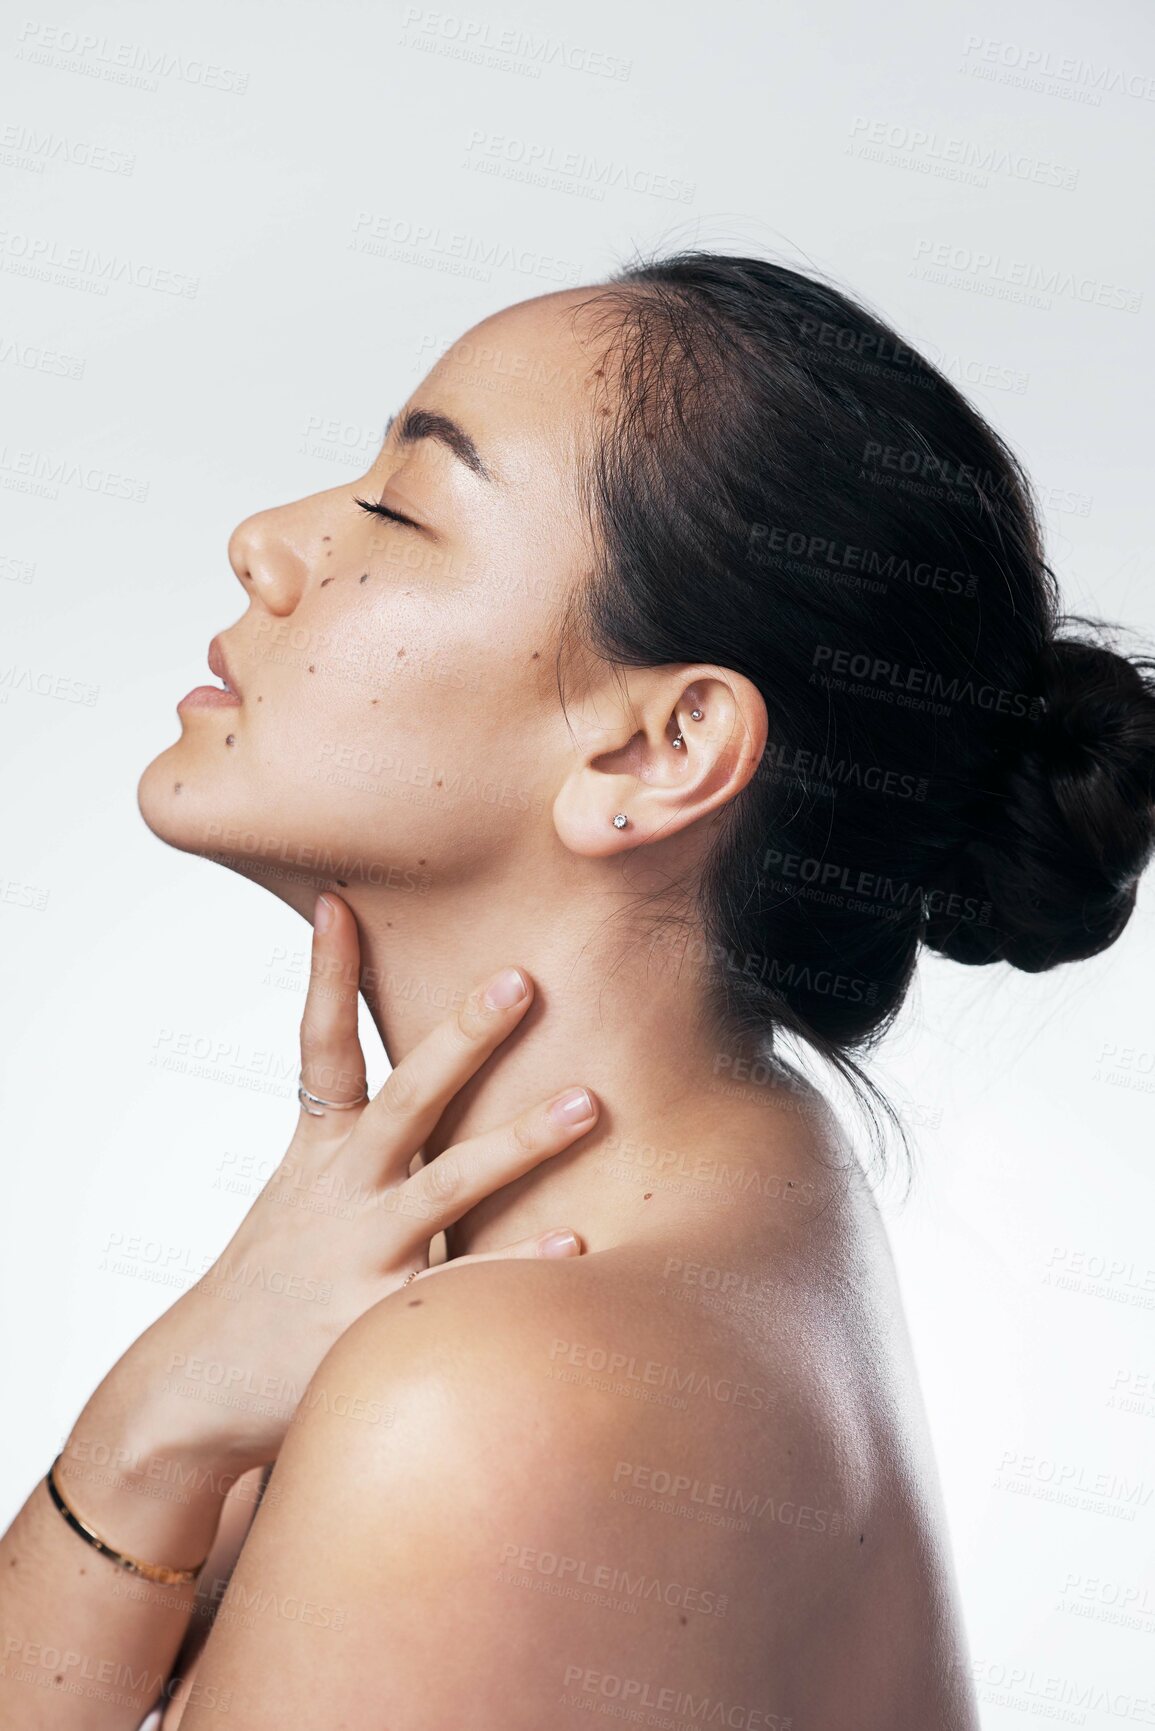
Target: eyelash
378 510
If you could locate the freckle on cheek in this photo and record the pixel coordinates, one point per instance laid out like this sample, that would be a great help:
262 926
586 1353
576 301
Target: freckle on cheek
177 786
325 580
364 578
230 739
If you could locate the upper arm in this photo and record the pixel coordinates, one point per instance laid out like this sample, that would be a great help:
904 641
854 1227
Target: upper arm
434 1450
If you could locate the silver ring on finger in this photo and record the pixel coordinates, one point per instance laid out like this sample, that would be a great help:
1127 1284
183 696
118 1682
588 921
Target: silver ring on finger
312 1101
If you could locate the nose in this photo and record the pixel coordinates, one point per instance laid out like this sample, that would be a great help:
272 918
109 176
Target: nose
273 552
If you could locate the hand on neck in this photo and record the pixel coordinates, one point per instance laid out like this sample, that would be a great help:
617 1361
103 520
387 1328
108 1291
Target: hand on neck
614 1009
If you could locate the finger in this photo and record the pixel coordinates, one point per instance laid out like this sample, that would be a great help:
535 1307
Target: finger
461 1177
405 1109
562 1242
332 1062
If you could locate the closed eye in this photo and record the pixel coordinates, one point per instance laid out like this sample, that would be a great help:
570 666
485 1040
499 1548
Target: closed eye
379 510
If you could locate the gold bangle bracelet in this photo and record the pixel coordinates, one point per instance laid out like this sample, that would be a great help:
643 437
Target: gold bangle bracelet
150 1571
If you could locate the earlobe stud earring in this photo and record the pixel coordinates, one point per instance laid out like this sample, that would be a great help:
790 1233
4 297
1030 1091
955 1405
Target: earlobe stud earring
621 820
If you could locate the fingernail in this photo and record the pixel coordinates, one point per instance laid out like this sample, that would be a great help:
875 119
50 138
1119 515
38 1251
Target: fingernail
507 989
323 914
558 1244
572 1108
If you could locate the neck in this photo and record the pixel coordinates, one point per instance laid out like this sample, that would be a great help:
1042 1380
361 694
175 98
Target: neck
613 1009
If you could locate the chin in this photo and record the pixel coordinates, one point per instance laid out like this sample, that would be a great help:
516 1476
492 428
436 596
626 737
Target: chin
167 802
182 801
190 805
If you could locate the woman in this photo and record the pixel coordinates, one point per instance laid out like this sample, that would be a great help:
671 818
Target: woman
684 661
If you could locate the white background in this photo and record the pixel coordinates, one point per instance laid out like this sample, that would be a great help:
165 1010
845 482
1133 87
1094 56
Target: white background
865 142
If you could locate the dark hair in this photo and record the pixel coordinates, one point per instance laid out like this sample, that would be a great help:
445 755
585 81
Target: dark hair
784 487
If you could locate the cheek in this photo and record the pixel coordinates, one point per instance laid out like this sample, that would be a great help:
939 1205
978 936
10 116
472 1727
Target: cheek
384 725
408 726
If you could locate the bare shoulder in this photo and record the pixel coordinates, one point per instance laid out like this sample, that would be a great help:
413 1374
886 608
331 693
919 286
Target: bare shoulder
599 1428
543 1471
624 1347
716 1402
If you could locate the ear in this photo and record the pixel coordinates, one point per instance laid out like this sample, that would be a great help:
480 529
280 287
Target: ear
664 746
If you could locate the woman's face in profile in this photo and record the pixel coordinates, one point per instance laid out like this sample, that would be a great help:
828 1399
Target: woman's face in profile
396 702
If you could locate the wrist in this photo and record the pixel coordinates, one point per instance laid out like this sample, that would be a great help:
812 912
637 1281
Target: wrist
141 1489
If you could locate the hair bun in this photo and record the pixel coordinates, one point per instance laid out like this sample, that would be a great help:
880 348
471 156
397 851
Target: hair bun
1052 869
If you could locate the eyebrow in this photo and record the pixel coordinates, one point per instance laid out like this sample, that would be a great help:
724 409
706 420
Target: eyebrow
419 424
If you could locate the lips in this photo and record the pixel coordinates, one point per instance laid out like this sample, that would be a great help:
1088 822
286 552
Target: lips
223 696
219 666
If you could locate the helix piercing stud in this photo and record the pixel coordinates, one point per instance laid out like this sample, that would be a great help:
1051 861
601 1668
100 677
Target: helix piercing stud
621 820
